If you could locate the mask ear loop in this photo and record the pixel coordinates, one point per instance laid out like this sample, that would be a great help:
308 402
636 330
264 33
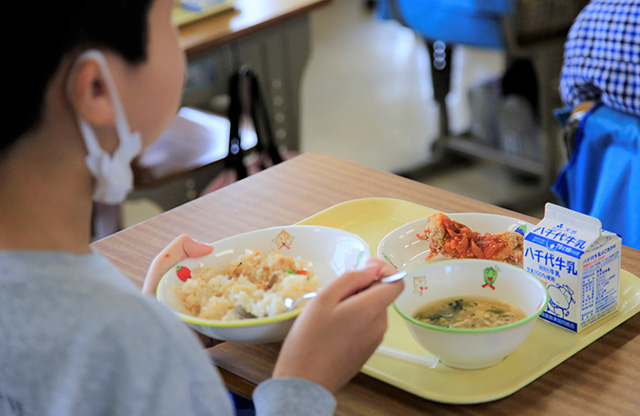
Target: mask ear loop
113 174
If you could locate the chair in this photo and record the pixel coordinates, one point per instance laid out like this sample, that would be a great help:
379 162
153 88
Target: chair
180 164
602 177
531 31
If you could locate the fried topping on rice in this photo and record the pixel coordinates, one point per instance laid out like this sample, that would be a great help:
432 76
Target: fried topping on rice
257 283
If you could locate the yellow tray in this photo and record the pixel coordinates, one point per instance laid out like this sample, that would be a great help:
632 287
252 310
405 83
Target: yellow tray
546 347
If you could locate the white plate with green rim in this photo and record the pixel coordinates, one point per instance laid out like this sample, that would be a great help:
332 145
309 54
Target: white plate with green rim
405 251
328 253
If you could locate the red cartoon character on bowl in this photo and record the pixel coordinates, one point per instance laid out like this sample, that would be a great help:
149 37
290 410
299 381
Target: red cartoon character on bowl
183 273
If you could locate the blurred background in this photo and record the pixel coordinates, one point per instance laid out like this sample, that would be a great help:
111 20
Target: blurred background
369 81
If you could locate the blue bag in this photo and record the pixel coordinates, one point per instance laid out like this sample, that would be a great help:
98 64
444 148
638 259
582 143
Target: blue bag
602 178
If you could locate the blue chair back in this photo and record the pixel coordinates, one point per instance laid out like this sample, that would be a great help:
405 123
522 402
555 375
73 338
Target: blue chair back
467 22
602 177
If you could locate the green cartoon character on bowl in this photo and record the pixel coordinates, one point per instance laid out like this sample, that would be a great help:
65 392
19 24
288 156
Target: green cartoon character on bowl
490 277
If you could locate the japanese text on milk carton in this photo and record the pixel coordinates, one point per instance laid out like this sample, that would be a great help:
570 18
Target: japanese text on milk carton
578 262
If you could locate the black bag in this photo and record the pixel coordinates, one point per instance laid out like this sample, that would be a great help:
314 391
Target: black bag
246 98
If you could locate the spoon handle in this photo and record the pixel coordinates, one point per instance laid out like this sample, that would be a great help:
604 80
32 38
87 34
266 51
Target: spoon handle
393 278
389 279
290 303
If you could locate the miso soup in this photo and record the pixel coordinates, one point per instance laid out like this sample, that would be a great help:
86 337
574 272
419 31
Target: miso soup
471 312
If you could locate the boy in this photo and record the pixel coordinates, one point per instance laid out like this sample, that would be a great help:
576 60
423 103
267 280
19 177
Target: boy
602 57
101 82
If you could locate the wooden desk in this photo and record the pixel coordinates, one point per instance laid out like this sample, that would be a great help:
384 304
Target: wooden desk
273 36
248 17
601 379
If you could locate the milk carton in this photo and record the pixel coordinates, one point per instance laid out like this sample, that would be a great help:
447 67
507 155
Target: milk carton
578 262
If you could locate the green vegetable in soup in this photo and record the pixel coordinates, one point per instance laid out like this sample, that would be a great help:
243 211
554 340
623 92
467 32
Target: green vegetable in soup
470 312
456 305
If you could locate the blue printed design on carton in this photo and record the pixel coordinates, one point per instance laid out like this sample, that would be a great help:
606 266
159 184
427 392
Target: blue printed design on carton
580 265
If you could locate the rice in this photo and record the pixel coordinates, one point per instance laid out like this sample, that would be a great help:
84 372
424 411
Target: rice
256 282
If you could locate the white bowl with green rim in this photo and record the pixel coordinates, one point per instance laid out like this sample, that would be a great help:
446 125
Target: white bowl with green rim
329 252
471 348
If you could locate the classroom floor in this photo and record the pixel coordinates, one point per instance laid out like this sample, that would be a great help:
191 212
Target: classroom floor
367 98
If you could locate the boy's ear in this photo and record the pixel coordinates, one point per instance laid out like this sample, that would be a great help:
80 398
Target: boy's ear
90 96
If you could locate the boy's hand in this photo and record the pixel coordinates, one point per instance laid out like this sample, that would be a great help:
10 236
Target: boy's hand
179 249
339 330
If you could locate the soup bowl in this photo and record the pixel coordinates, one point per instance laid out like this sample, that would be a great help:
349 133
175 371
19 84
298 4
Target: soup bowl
471 348
328 253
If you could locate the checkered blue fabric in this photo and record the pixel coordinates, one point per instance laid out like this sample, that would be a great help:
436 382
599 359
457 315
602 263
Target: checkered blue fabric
602 56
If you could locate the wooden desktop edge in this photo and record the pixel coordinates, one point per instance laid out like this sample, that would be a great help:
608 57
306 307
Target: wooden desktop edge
199 37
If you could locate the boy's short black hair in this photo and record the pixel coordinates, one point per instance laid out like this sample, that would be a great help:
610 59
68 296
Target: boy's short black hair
52 30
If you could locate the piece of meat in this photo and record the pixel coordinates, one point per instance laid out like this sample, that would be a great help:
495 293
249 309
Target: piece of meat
457 241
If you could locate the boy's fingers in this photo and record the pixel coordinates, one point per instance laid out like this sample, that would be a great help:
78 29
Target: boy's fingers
193 248
377 297
384 268
352 282
179 249
348 284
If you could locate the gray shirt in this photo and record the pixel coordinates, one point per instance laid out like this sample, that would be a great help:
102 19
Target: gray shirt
78 338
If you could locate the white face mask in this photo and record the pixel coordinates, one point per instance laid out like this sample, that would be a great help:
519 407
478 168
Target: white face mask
112 173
